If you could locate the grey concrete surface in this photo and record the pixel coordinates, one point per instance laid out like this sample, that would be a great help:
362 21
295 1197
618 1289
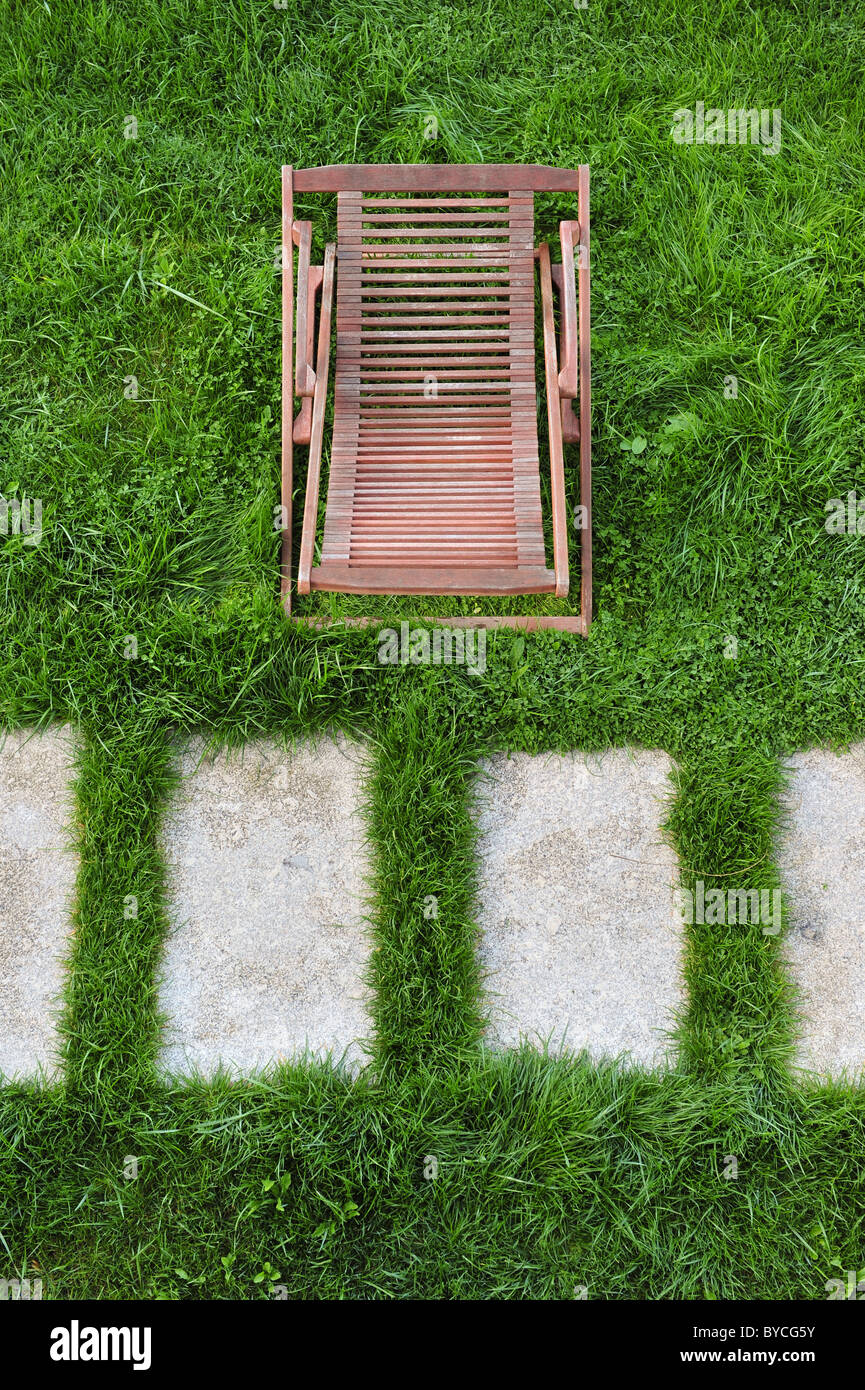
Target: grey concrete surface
822 864
582 929
37 884
267 955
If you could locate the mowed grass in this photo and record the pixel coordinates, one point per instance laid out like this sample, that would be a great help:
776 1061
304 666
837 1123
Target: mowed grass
139 380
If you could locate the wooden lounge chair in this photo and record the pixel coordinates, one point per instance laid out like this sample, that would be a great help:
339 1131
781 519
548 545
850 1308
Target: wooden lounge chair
434 482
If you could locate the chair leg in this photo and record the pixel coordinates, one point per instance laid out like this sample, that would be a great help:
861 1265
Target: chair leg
287 259
585 373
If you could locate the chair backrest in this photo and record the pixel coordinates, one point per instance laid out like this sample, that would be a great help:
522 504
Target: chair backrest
436 285
435 178
435 297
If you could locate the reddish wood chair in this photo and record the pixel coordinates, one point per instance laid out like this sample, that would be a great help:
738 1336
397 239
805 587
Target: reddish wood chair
434 483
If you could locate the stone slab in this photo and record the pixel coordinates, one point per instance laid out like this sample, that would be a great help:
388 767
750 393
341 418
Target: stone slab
822 865
269 948
582 927
37 885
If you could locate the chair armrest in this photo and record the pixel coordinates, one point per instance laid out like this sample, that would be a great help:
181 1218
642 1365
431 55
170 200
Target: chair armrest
554 420
309 281
310 511
304 376
569 372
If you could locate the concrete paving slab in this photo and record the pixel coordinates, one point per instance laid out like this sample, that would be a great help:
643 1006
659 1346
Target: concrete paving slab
822 864
582 929
266 865
37 884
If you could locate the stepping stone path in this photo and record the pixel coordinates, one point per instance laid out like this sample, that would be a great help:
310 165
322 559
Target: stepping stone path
267 956
582 929
822 866
37 883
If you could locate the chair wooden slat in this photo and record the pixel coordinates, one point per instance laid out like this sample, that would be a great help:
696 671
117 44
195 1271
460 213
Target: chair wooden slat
432 178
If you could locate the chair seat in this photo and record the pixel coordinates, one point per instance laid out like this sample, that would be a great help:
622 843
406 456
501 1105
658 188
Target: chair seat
434 483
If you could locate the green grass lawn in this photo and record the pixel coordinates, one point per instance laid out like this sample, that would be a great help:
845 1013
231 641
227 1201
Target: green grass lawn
709 262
